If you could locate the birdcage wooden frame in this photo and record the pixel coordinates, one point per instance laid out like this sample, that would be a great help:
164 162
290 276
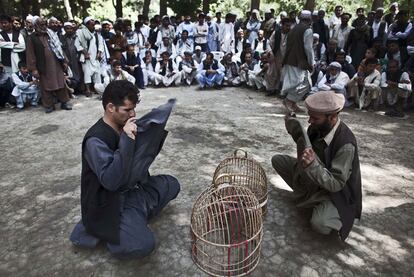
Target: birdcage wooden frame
246 172
226 230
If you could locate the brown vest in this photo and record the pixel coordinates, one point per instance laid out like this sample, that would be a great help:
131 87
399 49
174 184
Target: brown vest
295 48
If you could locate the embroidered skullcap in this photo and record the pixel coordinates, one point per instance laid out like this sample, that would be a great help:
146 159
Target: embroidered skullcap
336 65
106 22
198 47
87 19
305 14
327 102
66 24
316 35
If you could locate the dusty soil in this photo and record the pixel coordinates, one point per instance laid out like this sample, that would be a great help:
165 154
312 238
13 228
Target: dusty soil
40 188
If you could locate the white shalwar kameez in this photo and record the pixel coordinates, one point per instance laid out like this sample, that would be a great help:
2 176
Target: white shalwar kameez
297 81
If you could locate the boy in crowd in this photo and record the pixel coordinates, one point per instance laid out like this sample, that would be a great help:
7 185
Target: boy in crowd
188 69
26 88
365 89
396 88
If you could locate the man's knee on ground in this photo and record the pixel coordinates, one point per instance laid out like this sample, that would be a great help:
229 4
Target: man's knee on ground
174 186
320 225
277 161
132 249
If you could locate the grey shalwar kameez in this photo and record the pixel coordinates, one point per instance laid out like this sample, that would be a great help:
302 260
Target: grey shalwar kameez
142 196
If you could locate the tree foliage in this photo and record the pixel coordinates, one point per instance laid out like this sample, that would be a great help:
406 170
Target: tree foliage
185 7
130 8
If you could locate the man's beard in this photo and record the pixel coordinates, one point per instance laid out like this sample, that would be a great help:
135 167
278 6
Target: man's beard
323 128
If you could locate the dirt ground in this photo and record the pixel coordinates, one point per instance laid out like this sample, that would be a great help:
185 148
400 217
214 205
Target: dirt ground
40 189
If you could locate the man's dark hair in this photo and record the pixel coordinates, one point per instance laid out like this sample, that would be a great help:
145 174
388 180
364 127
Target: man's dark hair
5 17
285 20
371 61
118 91
21 64
373 50
116 63
211 55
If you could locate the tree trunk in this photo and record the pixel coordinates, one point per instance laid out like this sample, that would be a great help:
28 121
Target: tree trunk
68 9
377 4
36 7
145 8
83 8
118 8
255 4
163 7
309 5
206 6
25 8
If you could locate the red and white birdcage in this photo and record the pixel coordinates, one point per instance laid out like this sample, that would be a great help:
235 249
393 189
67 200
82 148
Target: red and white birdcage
226 230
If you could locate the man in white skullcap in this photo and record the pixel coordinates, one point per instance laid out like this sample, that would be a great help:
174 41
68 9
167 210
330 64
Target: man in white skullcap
91 50
390 17
28 27
334 79
325 175
298 62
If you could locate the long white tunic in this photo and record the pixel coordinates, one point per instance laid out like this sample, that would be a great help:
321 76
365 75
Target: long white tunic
226 38
85 40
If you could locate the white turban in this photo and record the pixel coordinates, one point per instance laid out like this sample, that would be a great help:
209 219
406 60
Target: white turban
335 65
29 18
35 18
305 14
87 19
66 24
